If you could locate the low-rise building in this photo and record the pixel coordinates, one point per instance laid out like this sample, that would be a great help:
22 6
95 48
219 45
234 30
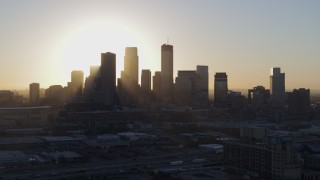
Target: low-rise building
24 116
274 160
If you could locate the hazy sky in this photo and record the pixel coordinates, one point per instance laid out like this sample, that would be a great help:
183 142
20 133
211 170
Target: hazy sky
43 41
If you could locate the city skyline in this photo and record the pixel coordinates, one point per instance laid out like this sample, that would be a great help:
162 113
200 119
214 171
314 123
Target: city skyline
242 39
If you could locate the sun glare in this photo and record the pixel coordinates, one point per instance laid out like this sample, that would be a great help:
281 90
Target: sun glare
82 48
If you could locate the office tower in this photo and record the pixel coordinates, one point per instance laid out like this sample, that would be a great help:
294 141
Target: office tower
76 82
145 97
220 87
34 93
184 88
202 97
128 87
299 101
277 87
166 72
131 63
258 97
105 88
156 83
89 84
146 80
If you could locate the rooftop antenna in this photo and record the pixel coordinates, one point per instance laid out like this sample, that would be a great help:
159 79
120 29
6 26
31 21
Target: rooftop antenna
167 40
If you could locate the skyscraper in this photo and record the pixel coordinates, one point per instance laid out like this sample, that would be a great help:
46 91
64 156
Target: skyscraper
89 84
166 72
77 82
34 93
145 97
220 87
131 63
184 88
146 81
277 87
128 87
105 89
156 83
202 96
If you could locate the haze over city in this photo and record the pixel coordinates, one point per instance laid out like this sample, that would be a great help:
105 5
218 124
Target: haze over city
43 41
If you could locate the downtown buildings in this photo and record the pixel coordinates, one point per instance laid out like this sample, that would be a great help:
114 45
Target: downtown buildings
129 93
190 89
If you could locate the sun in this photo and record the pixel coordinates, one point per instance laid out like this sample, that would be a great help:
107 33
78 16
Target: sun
83 46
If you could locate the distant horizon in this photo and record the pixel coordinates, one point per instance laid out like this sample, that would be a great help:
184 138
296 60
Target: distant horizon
210 91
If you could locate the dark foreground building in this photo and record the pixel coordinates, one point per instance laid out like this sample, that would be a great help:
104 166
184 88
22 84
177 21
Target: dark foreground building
274 160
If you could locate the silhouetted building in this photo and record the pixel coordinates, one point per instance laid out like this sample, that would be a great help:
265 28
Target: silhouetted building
202 97
235 100
19 117
34 93
89 85
184 88
277 87
146 80
220 87
299 101
131 63
76 83
128 87
157 83
55 95
105 83
258 97
166 72
248 158
9 99
128 91
274 160
285 162
145 96
310 153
